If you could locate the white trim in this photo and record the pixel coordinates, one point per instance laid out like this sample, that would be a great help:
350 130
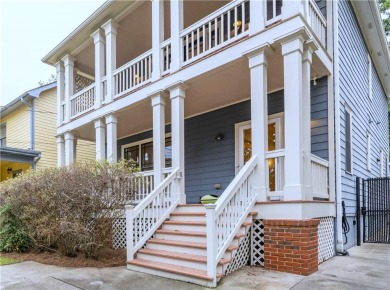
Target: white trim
349 111
369 150
369 67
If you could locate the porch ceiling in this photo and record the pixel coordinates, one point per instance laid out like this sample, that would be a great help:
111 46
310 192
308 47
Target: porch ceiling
219 88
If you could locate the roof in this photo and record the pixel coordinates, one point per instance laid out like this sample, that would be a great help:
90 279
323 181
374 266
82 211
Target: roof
18 155
27 96
81 36
370 22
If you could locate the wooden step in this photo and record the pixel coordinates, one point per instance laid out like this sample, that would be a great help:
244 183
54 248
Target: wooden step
173 269
185 244
189 223
180 256
181 233
191 205
195 213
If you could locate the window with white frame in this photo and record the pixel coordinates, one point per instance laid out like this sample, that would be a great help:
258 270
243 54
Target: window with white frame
368 151
141 153
348 139
369 63
3 135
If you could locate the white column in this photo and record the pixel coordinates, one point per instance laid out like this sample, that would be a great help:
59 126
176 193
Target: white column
177 95
60 92
157 36
158 104
257 16
69 148
308 50
69 83
110 29
259 115
176 28
111 124
100 129
98 39
60 151
292 49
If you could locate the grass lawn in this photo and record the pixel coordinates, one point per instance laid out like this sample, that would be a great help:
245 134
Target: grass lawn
7 261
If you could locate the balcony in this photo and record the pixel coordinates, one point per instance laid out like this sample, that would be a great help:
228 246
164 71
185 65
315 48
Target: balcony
219 29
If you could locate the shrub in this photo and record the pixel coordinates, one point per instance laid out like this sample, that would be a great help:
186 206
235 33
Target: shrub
13 233
70 209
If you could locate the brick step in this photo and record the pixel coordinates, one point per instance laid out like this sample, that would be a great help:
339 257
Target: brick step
173 269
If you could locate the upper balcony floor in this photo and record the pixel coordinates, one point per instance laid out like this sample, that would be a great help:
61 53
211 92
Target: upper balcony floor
127 45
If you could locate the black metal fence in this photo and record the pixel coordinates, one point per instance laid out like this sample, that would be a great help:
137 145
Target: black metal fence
376 210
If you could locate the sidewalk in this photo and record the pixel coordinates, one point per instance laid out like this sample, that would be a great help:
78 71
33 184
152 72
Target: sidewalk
367 267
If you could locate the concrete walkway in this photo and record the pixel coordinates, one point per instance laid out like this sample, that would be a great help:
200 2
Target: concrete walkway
367 267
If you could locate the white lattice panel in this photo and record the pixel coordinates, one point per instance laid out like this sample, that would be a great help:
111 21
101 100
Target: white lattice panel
242 256
325 239
257 256
119 233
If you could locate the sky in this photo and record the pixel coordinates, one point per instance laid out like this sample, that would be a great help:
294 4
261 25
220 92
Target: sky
28 31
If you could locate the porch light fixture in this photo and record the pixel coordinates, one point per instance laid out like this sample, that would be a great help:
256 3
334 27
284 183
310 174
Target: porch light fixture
314 81
237 24
219 136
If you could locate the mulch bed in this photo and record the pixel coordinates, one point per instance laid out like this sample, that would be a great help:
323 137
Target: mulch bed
108 258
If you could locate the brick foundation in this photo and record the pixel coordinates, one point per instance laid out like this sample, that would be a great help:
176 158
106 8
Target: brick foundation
291 246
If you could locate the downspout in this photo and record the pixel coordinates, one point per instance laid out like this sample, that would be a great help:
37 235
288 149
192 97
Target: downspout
336 63
32 126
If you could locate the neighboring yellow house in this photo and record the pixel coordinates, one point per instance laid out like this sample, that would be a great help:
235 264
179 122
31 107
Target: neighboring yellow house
28 133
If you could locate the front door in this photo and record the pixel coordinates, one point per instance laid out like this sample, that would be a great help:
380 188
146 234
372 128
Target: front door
244 146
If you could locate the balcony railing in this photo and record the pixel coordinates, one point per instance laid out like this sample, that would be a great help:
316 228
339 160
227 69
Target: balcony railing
319 177
317 22
220 28
275 174
166 56
133 74
83 101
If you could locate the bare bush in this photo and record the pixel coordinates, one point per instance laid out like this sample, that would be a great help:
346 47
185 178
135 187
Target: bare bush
70 209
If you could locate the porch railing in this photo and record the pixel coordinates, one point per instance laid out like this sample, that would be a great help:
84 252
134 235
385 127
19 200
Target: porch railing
275 173
319 177
143 220
224 219
166 56
104 88
133 74
83 101
317 21
220 27
144 183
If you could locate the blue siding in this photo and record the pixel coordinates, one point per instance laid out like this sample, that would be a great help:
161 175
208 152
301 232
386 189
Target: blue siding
209 161
354 92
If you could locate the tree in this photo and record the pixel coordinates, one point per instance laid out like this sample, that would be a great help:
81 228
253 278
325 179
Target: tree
384 7
51 79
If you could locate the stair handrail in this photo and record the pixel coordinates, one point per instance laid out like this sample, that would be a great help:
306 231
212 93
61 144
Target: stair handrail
150 213
226 216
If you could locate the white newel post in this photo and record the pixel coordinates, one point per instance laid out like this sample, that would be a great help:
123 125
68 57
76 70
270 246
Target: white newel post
100 129
177 95
129 232
257 16
292 49
176 28
157 37
158 104
259 115
211 239
110 30
308 50
60 150
111 125
60 92
98 39
69 84
69 148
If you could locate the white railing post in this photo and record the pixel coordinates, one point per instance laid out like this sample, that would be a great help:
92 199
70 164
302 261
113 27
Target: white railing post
258 16
176 28
211 234
110 29
69 84
129 232
99 65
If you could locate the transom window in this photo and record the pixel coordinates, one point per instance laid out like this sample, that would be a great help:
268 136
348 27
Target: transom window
142 153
